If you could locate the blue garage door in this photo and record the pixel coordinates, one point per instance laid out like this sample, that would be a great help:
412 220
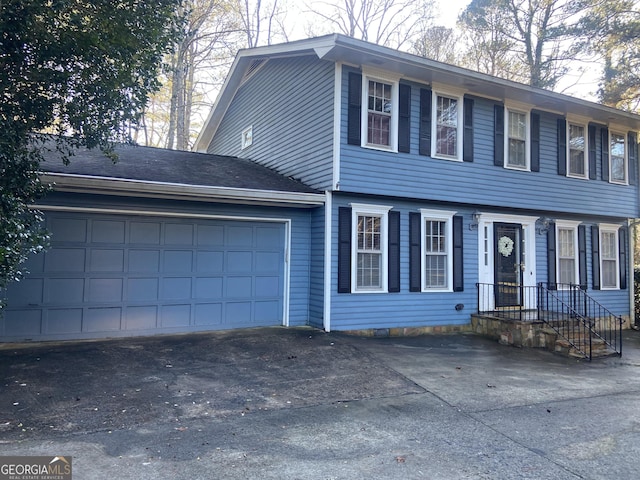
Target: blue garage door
128 275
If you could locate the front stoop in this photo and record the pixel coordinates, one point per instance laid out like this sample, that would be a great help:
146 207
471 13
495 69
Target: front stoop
534 334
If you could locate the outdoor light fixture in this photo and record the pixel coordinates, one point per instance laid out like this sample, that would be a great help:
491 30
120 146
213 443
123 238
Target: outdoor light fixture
475 220
542 225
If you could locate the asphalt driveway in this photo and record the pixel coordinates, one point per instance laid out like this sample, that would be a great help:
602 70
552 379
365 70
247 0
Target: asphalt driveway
302 404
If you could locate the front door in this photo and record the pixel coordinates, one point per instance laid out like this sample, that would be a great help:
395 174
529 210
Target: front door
508 255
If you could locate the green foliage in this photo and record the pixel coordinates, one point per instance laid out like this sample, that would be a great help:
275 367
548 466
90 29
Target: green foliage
80 70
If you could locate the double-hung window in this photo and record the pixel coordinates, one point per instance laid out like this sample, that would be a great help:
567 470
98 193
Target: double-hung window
567 253
380 117
369 252
609 268
577 150
517 139
617 158
447 134
437 249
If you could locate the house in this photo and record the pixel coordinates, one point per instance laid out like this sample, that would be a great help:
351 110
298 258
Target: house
346 186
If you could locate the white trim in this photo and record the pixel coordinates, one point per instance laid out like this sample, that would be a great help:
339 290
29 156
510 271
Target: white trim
573 226
626 157
459 127
442 216
328 207
486 271
609 228
151 213
381 211
337 114
578 122
128 187
381 77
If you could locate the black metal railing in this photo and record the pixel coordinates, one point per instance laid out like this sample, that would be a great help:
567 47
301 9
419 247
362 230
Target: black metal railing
567 309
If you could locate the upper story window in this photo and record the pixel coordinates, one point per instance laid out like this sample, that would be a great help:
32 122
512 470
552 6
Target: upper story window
379 113
577 150
618 158
448 126
517 139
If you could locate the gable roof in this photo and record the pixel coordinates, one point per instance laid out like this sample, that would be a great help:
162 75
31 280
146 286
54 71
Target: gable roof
149 171
347 50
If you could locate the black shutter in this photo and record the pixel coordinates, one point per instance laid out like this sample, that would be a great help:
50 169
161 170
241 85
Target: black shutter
425 122
622 256
354 117
344 250
633 158
552 278
404 116
458 259
394 251
595 257
562 146
604 153
593 171
467 140
535 142
498 134
582 256
415 274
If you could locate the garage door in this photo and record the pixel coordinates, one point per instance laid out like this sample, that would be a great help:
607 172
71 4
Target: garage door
131 275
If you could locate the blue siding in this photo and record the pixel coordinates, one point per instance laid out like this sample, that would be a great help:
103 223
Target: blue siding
479 183
316 273
289 103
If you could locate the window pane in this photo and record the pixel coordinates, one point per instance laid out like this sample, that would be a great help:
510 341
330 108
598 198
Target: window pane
517 153
566 256
577 165
609 258
369 252
517 139
618 167
435 254
447 126
517 125
369 270
379 117
609 274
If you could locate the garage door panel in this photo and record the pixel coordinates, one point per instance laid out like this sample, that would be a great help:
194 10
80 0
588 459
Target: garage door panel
145 233
175 316
177 261
108 231
113 274
106 260
60 291
102 319
103 290
142 289
144 261
64 320
65 260
141 318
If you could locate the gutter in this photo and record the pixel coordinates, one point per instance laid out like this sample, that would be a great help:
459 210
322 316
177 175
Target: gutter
127 187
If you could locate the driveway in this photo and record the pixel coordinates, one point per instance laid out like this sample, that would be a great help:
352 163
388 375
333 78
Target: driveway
303 404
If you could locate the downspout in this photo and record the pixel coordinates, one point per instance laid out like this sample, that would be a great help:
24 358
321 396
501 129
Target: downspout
326 316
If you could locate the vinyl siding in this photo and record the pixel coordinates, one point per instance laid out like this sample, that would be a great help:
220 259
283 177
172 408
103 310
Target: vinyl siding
289 104
411 175
316 272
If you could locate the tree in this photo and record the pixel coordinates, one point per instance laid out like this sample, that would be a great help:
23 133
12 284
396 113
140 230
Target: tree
437 43
531 33
79 70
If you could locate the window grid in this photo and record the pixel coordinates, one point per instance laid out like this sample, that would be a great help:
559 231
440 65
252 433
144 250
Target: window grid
435 254
577 156
379 116
447 126
517 138
617 153
566 256
369 252
609 258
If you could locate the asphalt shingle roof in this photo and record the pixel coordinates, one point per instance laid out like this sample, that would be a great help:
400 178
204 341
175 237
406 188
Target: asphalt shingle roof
173 166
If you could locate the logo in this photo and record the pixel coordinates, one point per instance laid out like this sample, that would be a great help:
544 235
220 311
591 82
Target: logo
35 468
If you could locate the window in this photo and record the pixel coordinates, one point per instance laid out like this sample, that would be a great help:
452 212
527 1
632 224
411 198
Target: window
609 273
567 253
380 117
517 139
447 136
369 253
577 146
437 247
618 158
